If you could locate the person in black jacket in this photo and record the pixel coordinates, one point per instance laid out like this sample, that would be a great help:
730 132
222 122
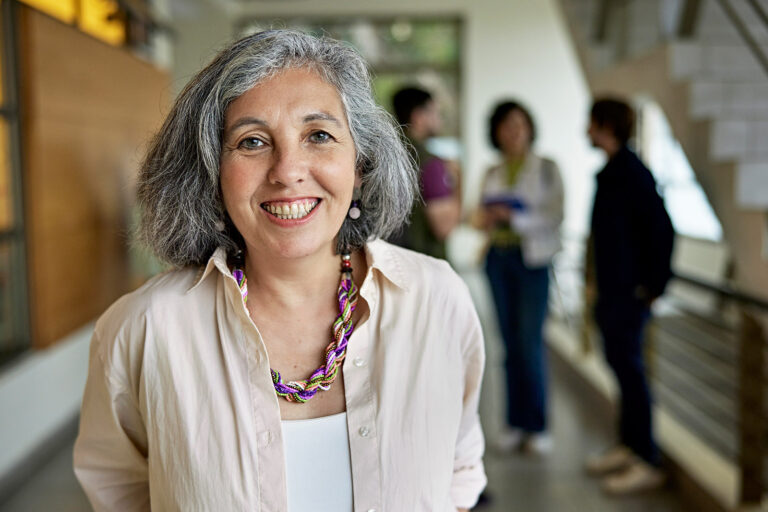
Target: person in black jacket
631 244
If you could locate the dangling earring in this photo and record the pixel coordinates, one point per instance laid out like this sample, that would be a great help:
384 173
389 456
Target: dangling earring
354 209
219 225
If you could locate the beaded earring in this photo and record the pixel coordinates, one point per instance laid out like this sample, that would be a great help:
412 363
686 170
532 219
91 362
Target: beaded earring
354 210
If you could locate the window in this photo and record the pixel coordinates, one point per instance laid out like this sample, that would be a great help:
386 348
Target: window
14 317
688 206
400 51
100 18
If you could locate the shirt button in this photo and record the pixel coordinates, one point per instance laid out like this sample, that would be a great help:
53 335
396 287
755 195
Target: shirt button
364 431
359 361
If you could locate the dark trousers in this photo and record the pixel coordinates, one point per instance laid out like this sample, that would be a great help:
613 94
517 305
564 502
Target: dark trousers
520 295
621 322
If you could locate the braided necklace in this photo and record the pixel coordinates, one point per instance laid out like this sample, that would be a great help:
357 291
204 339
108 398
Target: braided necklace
323 377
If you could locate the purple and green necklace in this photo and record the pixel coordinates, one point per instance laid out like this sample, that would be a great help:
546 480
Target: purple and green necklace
322 378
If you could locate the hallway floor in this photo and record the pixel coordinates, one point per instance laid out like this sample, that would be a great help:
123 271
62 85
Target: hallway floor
517 483
557 482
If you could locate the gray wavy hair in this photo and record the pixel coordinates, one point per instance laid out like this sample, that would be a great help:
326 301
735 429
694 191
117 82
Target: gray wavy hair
178 190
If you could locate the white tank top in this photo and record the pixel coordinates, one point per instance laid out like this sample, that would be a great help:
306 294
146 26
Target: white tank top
318 468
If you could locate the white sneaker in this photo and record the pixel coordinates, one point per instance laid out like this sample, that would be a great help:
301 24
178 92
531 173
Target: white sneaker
637 477
508 440
613 459
539 443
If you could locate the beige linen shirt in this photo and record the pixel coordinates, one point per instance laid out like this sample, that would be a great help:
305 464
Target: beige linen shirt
179 412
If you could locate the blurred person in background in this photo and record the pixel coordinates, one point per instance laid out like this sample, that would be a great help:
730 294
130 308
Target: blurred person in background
630 249
214 386
522 209
432 219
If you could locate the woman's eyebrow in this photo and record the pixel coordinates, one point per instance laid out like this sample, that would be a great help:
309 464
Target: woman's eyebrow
243 121
321 116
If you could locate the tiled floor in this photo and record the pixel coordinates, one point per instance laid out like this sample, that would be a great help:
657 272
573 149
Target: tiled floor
517 483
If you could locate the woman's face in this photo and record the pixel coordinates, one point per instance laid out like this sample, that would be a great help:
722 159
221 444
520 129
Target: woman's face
288 165
514 134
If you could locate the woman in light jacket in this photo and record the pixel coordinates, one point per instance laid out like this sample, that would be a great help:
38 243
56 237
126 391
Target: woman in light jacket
214 387
522 212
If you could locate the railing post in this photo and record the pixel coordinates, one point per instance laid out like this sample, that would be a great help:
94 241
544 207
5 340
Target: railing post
689 17
600 27
751 410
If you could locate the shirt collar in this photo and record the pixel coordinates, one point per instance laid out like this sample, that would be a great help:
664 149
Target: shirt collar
380 255
388 261
218 260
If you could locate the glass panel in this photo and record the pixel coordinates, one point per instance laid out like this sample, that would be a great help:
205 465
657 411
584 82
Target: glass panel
11 317
2 61
65 10
103 20
6 205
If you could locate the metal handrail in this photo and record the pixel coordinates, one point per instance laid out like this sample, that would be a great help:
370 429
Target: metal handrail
724 290
759 11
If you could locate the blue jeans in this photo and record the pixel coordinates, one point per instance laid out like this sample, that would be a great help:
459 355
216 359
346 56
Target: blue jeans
621 322
520 295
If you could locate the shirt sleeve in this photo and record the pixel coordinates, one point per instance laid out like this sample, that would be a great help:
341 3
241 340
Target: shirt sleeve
469 477
436 181
110 455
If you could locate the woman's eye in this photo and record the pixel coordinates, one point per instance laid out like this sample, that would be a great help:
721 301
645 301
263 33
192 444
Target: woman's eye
320 137
250 143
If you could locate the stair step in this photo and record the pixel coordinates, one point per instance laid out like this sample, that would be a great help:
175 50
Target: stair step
723 99
751 184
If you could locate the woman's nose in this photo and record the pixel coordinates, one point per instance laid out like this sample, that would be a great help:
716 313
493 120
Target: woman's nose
288 166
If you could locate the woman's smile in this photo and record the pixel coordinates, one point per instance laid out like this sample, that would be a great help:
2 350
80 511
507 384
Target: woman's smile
298 209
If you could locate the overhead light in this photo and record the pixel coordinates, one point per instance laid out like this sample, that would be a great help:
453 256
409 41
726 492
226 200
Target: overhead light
401 30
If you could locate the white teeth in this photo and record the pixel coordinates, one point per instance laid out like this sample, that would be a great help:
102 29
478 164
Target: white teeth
291 211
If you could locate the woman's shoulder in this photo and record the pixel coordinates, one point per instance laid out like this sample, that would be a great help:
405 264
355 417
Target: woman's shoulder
159 291
418 273
430 295
494 169
541 162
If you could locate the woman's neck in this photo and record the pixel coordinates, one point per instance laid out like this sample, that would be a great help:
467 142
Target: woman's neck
515 158
292 282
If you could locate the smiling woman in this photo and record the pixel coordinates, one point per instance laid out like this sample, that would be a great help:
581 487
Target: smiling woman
218 385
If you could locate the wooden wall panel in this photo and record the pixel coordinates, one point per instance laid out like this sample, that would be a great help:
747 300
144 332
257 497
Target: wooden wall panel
88 111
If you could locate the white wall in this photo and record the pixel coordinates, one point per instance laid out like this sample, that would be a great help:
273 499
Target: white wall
39 394
512 48
201 29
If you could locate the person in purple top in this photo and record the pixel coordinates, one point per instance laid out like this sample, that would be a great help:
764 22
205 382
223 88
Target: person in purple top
433 219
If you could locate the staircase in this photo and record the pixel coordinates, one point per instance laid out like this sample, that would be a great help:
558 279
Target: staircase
693 57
